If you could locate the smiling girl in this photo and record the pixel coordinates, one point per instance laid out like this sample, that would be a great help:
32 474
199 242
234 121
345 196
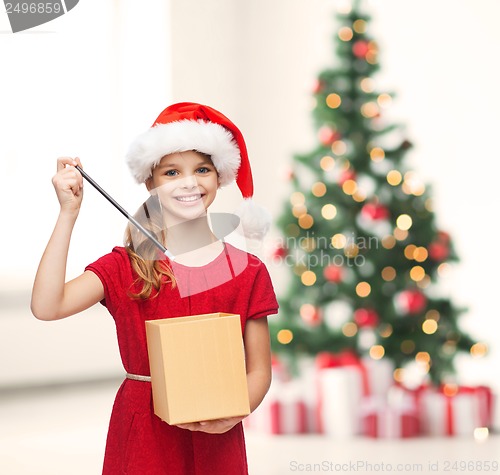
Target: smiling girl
189 153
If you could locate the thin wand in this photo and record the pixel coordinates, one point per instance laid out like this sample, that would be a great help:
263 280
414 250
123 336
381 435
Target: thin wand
125 213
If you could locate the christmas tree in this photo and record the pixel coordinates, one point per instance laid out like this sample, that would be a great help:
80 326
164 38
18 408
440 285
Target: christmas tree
359 234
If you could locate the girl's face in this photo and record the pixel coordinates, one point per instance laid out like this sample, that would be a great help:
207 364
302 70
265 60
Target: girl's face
186 184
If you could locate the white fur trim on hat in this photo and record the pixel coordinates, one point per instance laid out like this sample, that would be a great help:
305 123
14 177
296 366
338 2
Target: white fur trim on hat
254 219
210 138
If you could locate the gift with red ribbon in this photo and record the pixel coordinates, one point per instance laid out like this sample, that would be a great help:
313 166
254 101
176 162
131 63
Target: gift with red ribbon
452 410
342 382
393 416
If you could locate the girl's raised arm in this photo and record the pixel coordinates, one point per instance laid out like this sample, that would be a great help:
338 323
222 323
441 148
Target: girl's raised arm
52 298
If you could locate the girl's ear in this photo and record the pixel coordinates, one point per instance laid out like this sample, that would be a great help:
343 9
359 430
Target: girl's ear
149 185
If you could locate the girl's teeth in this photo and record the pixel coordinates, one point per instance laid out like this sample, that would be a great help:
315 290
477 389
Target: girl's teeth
189 198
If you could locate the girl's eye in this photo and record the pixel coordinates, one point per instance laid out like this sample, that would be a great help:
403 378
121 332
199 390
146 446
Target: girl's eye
171 172
203 170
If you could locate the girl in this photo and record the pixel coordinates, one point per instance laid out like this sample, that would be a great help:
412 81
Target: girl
190 152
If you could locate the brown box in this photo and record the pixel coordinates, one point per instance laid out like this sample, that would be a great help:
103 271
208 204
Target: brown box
197 367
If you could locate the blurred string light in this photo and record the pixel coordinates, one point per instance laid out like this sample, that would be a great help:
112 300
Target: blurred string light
384 100
369 110
409 250
400 235
333 101
388 273
339 147
377 154
429 326
420 254
327 163
404 222
367 85
318 189
363 289
308 278
479 350
394 178
377 352
285 336
339 241
349 187
398 375
349 329
329 211
359 26
388 242
351 250
385 330
306 221
346 33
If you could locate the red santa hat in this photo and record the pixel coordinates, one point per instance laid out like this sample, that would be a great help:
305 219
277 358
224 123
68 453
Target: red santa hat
190 126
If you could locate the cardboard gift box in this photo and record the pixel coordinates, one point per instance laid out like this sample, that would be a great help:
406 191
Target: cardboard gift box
197 367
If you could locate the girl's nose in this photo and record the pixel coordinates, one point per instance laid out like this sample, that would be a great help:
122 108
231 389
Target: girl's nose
189 181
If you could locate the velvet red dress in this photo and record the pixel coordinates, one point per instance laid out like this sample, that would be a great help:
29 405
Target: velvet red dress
138 441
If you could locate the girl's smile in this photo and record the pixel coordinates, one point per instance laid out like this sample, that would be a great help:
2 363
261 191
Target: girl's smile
191 199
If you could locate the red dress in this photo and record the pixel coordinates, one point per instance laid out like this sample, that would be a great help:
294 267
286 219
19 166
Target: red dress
138 441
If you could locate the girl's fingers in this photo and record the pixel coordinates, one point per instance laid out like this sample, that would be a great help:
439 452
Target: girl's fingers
63 161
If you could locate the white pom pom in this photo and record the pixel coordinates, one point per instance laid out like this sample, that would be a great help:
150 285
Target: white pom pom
254 219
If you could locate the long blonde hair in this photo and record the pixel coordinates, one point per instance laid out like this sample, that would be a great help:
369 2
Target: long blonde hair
146 259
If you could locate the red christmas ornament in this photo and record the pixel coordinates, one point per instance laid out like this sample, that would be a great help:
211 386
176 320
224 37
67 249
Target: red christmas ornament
318 86
374 211
360 48
439 251
443 236
327 135
288 174
310 314
366 318
347 175
333 273
411 302
279 253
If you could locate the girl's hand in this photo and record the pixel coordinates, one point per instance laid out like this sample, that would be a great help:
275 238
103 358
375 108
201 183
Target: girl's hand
217 426
68 183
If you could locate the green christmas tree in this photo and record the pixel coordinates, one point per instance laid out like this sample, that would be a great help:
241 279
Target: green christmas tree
359 234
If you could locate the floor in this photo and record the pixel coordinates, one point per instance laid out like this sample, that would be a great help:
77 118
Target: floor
62 430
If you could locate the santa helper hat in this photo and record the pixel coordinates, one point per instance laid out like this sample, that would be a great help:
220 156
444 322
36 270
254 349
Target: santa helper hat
190 126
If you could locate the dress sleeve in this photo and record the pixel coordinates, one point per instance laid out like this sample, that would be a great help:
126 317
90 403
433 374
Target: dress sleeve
112 271
263 300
